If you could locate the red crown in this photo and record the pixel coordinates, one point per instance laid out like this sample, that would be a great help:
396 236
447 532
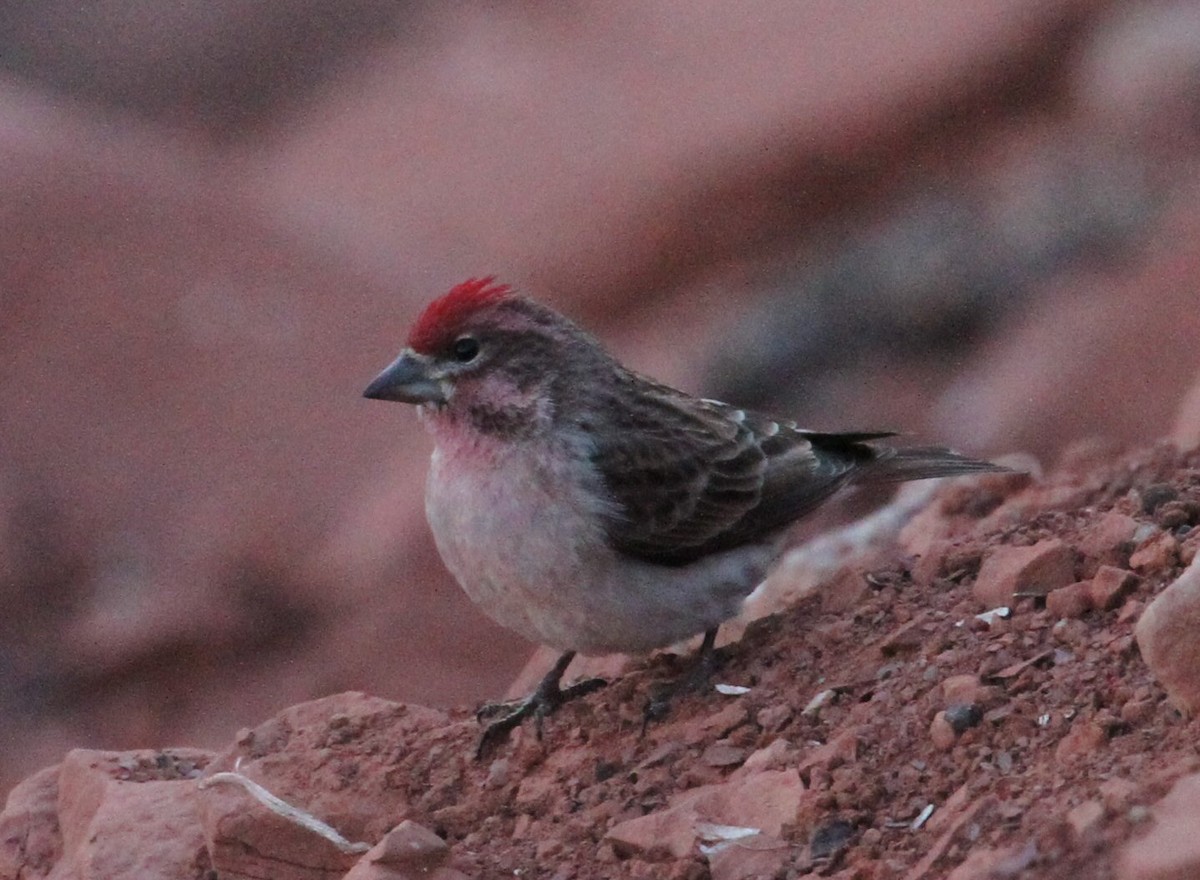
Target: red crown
441 319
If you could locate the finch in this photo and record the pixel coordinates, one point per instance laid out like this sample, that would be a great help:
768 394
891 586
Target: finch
595 510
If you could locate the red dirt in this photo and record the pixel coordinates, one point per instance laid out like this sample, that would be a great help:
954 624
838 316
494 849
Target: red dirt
1063 734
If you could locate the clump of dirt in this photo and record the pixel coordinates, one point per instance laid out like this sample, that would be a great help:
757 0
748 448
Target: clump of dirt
913 735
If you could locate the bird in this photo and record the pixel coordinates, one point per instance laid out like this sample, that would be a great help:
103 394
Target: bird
595 510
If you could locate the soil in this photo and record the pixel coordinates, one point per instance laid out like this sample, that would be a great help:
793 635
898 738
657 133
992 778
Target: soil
921 739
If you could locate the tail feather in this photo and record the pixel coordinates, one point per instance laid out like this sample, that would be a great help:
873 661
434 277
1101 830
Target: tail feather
924 463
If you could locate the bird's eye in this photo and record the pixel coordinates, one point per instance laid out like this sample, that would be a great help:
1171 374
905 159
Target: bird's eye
465 349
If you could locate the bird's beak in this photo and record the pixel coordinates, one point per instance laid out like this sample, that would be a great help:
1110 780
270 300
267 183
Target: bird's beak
407 379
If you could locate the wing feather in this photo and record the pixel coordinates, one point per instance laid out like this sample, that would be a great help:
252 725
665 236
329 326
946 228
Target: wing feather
691 477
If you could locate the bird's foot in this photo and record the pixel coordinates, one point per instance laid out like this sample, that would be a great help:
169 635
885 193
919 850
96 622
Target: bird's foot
537 705
544 700
696 678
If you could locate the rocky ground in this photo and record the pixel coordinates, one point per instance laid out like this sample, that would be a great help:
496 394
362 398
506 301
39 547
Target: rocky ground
895 723
977 223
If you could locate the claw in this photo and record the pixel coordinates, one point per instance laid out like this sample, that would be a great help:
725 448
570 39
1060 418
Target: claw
544 700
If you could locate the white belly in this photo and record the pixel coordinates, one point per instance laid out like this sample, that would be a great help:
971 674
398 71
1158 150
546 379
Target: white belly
527 545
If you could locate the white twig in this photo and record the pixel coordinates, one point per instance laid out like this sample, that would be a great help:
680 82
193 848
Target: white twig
283 808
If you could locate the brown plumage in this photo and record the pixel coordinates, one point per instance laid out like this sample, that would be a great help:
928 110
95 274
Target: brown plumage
592 509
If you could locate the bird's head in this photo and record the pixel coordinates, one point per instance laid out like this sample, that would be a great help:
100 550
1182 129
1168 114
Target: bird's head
484 352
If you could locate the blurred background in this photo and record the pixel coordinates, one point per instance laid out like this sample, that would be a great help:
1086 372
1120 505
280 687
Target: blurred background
976 222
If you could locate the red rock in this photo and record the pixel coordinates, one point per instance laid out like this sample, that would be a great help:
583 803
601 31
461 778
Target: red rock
927 536
930 564
773 756
1036 499
931 530
719 724
766 801
1137 711
1171 849
498 774
844 590
1081 740
668 833
411 845
1116 793
1010 570
127 815
365 870
536 792
1166 637
723 754
966 689
1130 611
30 836
774 717
942 733
759 856
1158 552
1109 540
842 749
1189 546
246 840
1110 585
1073 600
986 863
407 852
1085 819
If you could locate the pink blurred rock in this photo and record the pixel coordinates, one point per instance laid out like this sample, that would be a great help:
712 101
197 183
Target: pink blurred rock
187 498
387 177
1166 637
1009 570
1186 431
1171 848
1100 339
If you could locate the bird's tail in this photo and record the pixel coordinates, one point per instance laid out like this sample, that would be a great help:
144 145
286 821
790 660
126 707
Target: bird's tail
924 463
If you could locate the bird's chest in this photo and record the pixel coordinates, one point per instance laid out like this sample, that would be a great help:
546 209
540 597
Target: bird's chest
514 526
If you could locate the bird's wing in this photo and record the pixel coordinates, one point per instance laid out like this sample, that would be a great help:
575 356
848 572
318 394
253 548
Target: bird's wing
691 477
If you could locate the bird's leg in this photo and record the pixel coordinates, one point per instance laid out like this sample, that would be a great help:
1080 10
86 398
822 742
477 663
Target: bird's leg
546 697
705 663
